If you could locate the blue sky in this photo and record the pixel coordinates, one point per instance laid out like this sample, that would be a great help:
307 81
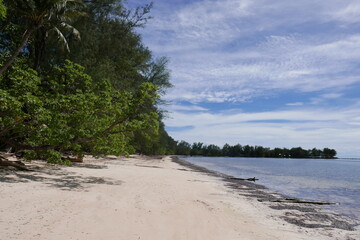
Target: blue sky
274 73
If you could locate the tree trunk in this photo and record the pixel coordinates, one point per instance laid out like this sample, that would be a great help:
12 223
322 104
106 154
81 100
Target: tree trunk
40 48
11 59
16 164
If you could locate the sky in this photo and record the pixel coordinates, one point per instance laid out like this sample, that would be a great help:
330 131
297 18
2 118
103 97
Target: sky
274 73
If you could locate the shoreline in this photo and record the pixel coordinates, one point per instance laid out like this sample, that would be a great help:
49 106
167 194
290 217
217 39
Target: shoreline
267 196
149 198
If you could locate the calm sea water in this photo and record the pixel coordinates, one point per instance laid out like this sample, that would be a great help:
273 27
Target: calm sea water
333 180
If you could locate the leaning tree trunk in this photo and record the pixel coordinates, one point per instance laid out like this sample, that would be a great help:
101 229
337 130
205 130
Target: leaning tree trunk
11 59
16 164
40 48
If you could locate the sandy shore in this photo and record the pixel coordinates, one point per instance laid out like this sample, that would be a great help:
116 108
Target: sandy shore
140 198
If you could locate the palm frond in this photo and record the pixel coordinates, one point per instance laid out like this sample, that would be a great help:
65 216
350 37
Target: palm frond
73 31
61 38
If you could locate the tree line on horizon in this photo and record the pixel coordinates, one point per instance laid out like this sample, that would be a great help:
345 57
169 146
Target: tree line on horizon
211 150
76 78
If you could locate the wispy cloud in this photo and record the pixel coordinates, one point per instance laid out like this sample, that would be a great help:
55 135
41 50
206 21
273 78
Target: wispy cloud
255 52
280 63
222 50
295 104
188 108
348 13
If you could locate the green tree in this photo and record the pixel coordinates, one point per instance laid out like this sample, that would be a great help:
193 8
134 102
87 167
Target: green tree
260 151
329 153
316 152
248 151
298 153
183 148
226 150
43 15
114 57
111 48
154 142
212 150
197 149
277 153
67 112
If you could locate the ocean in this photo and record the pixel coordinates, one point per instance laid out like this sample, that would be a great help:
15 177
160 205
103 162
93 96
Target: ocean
332 180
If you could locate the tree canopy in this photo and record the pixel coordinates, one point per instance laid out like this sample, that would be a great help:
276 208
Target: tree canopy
97 95
41 17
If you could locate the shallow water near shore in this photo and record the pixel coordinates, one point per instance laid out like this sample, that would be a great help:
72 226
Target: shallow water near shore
332 180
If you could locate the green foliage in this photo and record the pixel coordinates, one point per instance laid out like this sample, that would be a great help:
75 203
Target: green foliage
66 111
152 143
2 10
111 48
52 156
42 17
157 73
328 153
108 105
183 148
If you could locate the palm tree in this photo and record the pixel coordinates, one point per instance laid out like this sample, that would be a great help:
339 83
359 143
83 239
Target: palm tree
48 15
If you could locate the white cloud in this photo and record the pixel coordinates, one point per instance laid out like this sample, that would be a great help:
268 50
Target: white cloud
332 95
349 13
205 39
295 104
206 118
325 97
201 24
190 108
337 128
281 63
211 22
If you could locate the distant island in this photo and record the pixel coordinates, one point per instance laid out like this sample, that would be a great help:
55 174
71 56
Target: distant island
201 149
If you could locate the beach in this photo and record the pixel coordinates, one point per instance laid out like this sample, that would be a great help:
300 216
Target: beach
142 197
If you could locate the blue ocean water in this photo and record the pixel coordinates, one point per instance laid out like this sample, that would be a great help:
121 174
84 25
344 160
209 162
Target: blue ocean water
333 180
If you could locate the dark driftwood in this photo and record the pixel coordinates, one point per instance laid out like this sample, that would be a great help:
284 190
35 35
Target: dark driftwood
16 164
243 179
294 200
76 159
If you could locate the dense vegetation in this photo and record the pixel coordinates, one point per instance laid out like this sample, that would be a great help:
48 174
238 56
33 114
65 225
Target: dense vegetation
76 78
200 149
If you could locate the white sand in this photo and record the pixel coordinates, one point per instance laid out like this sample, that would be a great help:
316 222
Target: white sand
136 199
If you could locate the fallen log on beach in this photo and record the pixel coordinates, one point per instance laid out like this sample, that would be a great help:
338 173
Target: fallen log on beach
74 159
243 179
16 164
294 200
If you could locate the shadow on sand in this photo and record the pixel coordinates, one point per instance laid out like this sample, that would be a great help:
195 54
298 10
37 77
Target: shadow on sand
58 177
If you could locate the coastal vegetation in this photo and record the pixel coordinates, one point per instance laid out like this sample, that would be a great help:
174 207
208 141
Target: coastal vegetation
201 149
76 78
